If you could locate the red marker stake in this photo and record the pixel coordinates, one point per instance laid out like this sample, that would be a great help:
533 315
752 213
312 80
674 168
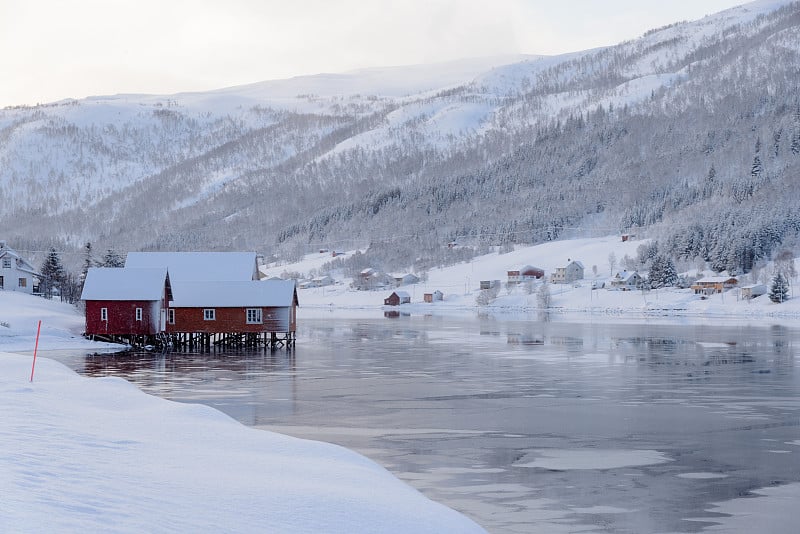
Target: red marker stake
35 348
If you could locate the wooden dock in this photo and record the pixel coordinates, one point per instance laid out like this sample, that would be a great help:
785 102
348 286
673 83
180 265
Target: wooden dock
202 340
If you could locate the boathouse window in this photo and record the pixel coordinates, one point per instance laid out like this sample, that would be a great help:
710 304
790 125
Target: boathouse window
210 314
23 282
138 314
254 316
171 316
104 314
6 263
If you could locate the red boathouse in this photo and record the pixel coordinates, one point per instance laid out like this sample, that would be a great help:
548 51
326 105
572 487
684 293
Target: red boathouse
126 304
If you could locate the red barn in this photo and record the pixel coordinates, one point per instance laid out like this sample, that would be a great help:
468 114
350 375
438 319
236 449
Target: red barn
126 302
238 307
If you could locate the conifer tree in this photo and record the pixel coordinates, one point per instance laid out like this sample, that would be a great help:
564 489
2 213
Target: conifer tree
779 291
53 273
112 259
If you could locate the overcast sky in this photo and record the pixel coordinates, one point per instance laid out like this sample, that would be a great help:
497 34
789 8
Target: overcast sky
55 49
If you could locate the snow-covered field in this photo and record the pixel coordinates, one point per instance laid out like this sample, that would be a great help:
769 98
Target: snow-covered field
460 286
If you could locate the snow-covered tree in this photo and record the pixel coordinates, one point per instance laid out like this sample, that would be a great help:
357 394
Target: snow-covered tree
663 272
112 259
88 261
53 273
543 296
779 290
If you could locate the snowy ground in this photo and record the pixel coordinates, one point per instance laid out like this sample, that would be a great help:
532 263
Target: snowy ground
460 285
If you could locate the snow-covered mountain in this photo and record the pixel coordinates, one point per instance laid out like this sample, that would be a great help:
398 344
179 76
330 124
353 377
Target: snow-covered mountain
691 133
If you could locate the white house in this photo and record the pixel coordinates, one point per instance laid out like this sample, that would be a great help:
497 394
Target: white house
16 273
626 281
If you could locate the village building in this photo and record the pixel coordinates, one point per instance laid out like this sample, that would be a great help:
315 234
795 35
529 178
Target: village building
397 298
714 284
566 275
16 273
406 279
433 297
523 274
489 284
320 281
626 281
752 291
370 278
246 312
128 305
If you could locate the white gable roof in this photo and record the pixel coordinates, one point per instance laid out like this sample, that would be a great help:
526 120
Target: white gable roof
235 294
124 284
20 263
199 266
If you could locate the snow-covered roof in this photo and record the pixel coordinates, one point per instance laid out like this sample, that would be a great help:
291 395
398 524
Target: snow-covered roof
233 294
402 294
20 263
576 262
199 266
108 283
626 275
715 279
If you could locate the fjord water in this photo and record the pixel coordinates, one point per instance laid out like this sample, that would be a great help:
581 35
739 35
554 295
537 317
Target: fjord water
525 425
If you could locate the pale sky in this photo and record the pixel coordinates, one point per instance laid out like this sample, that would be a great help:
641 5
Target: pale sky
56 49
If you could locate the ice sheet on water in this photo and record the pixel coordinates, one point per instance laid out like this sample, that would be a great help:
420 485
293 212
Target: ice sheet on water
567 459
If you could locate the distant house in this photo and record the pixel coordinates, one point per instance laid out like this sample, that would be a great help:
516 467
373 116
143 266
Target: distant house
233 307
626 281
126 301
714 284
489 284
406 279
16 273
320 281
433 297
752 291
565 275
371 278
524 274
397 298
199 266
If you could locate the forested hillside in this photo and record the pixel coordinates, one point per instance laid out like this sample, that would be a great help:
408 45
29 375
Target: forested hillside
689 135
